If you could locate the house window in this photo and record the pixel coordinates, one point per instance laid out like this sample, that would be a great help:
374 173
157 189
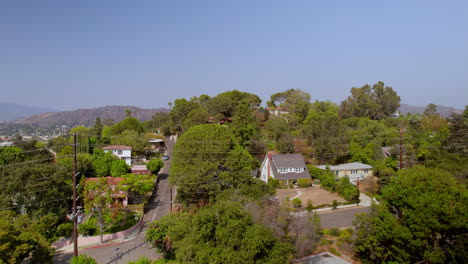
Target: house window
366 171
299 170
353 171
283 170
336 173
119 152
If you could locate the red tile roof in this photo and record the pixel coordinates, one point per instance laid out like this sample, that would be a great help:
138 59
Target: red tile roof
117 147
110 180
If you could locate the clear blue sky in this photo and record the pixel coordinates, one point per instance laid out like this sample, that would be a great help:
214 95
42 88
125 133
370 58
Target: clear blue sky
82 54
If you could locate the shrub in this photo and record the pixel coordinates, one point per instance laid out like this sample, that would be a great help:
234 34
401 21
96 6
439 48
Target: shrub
141 260
65 229
304 183
334 231
273 182
83 259
334 251
154 165
310 206
296 202
89 227
334 204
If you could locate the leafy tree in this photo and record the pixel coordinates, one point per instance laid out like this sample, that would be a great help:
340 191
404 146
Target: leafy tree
20 239
141 260
422 218
297 202
223 233
102 163
119 168
129 123
83 259
98 198
295 100
138 185
130 138
207 160
181 109
98 128
457 141
376 102
11 155
324 132
154 165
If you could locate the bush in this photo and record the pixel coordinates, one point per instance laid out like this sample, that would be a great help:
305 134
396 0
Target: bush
296 202
334 231
310 206
273 182
334 204
154 165
88 228
65 229
304 183
334 251
141 260
83 259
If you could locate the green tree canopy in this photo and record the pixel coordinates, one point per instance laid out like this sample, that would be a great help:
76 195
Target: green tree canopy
377 102
154 165
19 239
223 233
422 219
206 160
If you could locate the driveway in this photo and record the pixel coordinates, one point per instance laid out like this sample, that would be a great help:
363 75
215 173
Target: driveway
131 250
341 217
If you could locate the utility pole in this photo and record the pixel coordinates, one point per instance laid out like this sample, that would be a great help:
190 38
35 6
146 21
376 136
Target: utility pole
75 216
401 148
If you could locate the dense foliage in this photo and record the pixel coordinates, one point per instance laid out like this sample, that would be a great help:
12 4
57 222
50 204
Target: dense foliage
422 219
222 233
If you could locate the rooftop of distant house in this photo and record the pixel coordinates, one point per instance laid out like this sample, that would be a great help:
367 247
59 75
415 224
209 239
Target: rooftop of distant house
347 166
117 147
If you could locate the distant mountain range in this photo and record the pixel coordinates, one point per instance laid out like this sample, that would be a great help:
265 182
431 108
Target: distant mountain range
12 111
444 111
87 117
27 115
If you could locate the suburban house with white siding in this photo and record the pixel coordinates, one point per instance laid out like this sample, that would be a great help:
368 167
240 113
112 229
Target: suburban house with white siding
122 152
287 168
353 171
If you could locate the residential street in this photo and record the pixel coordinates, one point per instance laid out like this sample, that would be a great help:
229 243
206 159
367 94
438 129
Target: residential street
342 217
131 250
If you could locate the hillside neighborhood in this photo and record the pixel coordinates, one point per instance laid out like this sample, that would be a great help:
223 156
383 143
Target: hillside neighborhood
233 132
137 181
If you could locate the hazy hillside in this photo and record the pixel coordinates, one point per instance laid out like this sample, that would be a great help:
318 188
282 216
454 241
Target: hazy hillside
12 111
88 116
443 110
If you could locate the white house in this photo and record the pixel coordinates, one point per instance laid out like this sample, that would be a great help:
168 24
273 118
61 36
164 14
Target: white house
287 168
353 171
277 111
123 152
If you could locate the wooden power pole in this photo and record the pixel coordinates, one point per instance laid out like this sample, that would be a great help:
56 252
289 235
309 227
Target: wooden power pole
401 148
75 215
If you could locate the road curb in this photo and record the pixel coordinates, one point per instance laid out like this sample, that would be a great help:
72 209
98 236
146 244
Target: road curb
98 246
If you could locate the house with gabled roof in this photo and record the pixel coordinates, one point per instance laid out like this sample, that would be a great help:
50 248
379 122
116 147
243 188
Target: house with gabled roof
353 171
122 152
119 196
287 168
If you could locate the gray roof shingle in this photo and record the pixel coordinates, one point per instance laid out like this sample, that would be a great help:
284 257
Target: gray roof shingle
289 161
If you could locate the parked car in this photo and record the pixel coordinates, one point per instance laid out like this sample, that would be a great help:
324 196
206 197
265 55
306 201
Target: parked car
165 157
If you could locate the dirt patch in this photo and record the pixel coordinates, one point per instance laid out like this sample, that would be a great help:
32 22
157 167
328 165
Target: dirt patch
315 194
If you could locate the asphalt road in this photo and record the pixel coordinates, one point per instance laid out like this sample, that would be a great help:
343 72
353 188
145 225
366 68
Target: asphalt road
131 250
342 217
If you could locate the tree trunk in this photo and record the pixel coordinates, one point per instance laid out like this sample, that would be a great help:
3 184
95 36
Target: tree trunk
101 225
